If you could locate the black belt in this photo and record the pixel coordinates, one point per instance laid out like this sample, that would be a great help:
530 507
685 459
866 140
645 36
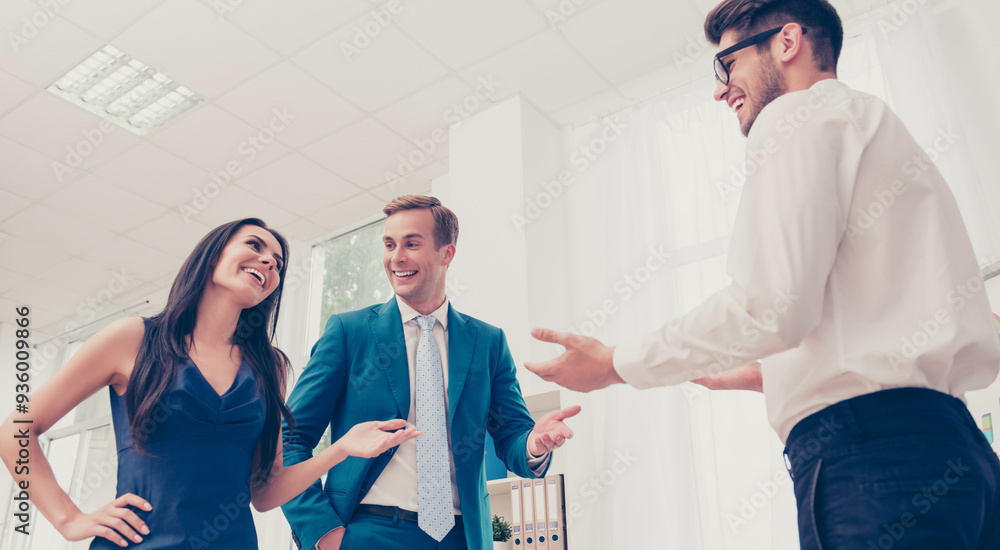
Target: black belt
393 512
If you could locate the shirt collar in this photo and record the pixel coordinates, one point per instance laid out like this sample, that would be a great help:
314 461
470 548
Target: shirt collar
407 313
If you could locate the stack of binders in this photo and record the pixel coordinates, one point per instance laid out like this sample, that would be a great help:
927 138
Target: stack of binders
539 518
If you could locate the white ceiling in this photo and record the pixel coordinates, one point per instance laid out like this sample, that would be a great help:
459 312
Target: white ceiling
69 238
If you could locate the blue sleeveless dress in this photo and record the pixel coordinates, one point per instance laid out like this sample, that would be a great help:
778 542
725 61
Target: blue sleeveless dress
198 480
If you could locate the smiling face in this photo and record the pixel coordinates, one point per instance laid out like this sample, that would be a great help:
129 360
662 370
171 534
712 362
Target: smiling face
415 267
754 81
250 265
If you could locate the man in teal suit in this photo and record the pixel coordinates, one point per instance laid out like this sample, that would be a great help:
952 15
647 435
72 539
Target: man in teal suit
416 358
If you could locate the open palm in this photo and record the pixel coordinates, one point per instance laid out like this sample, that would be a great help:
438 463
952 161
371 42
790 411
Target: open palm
370 439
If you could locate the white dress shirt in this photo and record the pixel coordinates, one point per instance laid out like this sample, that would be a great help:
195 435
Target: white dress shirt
851 269
397 484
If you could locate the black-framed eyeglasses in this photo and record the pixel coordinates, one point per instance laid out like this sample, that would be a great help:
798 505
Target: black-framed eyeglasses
721 71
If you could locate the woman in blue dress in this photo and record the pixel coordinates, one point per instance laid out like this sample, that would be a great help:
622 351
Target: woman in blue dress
197 398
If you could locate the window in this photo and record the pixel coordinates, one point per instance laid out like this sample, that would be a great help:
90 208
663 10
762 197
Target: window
81 450
351 275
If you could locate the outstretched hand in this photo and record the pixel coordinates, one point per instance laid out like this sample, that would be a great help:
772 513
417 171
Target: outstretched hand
748 377
551 432
586 365
370 439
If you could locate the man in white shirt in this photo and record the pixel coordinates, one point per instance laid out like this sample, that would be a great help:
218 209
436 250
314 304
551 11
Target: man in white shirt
449 374
852 273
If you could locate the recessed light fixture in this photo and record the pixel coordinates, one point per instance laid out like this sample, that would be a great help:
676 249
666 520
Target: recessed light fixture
115 86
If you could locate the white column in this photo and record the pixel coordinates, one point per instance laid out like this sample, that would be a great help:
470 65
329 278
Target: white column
497 158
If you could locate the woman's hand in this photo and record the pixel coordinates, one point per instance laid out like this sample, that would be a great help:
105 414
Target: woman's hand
370 439
114 522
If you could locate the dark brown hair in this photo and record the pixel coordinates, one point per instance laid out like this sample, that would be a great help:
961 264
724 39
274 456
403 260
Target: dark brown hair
445 221
749 17
164 345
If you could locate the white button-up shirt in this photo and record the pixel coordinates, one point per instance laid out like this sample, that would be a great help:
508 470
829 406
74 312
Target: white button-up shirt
851 269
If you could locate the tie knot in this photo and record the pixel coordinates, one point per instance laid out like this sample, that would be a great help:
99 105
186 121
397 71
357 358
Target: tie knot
426 322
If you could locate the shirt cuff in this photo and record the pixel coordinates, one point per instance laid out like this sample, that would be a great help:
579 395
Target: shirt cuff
627 362
316 546
537 464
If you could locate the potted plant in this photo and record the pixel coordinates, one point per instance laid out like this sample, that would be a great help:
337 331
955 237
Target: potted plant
501 533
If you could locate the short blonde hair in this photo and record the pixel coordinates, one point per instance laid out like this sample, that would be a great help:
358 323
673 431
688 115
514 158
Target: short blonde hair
445 221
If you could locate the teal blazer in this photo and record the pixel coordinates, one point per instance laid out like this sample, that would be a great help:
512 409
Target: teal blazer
358 372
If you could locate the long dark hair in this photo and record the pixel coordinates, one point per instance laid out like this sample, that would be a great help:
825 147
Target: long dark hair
164 345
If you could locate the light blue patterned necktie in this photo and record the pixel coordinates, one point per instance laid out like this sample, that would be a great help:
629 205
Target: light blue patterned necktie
436 514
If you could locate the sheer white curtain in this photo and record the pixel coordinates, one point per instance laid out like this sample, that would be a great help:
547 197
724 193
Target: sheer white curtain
648 218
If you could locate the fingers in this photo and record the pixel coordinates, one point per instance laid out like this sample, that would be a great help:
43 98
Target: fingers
553 336
391 424
404 435
395 438
543 369
547 443
559 430
116 522
110 534
567 412
123 520
133 520
134 500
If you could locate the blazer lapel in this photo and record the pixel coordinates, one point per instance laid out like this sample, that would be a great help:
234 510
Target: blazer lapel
461 344
387 333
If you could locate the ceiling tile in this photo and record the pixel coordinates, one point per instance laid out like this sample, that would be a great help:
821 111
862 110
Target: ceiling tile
415 183
105 18
49 227
317 111
32 257
388 68
231 143
303 230
298 185
557 12
544 68
155 174
10 279
74 138
627 38
171 233
51 296
7 313
664 79
351 211
156 295
39 46
82 276
429 112
188 41
10 204
135 294
461 32
609 100
104 205
234 203
134 259
29 174
291 24
49 324
366 154
12 91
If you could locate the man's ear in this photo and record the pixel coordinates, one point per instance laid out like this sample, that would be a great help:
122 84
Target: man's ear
449 254
790 42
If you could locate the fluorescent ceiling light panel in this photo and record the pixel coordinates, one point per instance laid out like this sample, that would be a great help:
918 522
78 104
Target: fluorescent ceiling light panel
113 85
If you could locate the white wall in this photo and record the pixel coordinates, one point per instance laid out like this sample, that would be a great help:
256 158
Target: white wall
969 45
